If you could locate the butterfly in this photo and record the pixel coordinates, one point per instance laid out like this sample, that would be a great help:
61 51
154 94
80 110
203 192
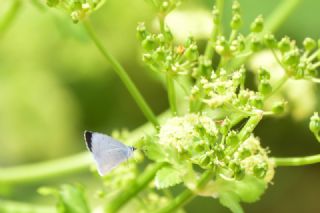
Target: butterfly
107 152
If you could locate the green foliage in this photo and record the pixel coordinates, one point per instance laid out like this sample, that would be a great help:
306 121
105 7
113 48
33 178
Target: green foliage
71 199
167 177
247 190
208 143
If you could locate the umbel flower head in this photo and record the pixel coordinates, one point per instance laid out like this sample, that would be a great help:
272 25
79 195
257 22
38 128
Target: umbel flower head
197 139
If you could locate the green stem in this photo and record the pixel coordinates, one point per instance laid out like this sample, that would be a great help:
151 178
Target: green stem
250 126
171 94
9 16
45 170
124 196
297 161
61 167
280 14
277 86
209 51
12 206
187 195
123 76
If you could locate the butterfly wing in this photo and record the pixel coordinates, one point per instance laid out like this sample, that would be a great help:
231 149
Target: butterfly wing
107 152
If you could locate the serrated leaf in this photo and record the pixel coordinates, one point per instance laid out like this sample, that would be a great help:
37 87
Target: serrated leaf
167 177
71 199
232 192
153 150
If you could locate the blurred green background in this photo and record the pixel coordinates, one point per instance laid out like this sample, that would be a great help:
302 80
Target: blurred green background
54 84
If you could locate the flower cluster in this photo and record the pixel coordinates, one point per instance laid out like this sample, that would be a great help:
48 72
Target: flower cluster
77 9
201 141
162 55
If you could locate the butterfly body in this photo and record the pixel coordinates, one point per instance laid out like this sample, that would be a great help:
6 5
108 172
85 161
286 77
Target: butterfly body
107 152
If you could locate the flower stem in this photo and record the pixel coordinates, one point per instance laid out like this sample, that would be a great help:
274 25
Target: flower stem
250 126
12 206
9 16
277 86
123 76
297 161
280 14
209 51
187 195
171 94
45 170
118 202
169 76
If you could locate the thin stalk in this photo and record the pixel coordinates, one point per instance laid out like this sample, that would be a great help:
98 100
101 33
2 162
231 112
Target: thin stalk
13 206
187 195
169 76
297 161
36 172
209 51
9 16
119 201
45 170
171 94
250 126
280 14
278 85
123 76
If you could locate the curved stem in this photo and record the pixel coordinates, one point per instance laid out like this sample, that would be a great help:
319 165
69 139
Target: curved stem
171 94
277 86
45 170
297 161
209 51
9 16
12 206
280 14
132 190
123 76
187 195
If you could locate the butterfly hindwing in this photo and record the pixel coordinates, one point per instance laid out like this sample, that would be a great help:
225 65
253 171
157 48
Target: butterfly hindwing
107 152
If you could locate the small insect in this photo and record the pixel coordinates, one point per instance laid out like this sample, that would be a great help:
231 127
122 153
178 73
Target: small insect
107 152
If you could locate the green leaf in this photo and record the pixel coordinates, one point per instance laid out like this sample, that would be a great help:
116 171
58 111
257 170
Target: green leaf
232 192
153 150
167 177
71 199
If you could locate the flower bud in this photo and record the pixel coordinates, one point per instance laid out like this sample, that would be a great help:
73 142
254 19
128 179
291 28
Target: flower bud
216 16
309 44
257 25
236 21
291 58
256 44
263 74
279 107
141 31
270 41
149 43
232 139
314 125
264 87
260 170
236 7
284 45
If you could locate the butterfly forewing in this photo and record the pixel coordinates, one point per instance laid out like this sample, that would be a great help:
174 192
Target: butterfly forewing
107 152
